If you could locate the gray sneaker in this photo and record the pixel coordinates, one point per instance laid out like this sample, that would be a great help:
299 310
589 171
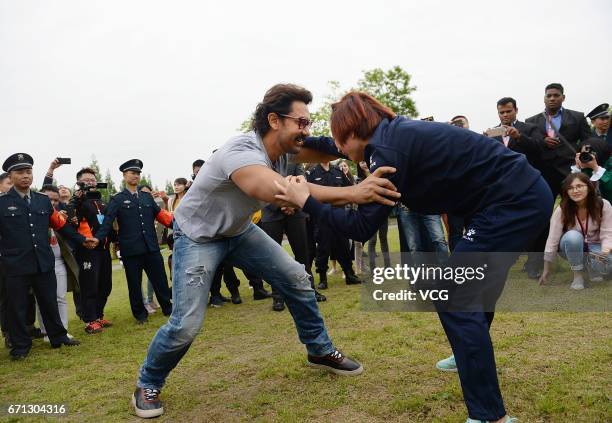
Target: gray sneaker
146 403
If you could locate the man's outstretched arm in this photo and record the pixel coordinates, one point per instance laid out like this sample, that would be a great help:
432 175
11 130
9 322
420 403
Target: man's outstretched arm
262 183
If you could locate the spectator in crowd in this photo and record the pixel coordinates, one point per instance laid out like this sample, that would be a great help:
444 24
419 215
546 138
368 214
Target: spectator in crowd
356 246
382 233
161 199
600 119
5 186
581 227
5 183
527 139
24 228
278 221
136 212
327 239
454 223
95 265
590 153
66 266
563 128
65 195
180 189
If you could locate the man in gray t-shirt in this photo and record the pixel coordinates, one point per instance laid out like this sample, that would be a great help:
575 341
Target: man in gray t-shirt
213 224
215 207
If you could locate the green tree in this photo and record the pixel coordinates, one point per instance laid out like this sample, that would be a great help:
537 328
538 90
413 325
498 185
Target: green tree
246 125
169 188
392 88
321 116
111 189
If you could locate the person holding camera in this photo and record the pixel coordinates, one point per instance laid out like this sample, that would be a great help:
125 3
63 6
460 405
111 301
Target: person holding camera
581 227
590 154
87 209
136 212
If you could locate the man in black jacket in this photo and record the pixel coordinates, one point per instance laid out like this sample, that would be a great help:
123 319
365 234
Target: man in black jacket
527 139
518 136
95 274
329 241
562 130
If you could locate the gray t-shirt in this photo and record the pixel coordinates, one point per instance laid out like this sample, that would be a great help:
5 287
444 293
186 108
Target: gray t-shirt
214 207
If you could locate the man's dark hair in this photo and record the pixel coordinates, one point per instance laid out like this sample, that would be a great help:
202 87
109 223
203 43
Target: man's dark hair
506 100
554 86
277 100
458 116
197 163
85 170
3 176
49 187
147 187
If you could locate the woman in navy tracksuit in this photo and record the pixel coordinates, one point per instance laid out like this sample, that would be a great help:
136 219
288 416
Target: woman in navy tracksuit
444 169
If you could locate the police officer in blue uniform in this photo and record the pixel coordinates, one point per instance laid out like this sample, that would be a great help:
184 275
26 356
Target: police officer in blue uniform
27 258
329 242
136 212
444 169
600 119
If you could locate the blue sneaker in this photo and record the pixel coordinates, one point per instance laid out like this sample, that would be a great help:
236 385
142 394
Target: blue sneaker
508 420
447 365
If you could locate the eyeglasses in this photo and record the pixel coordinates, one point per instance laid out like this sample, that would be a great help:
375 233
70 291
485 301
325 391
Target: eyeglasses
302 122
580 187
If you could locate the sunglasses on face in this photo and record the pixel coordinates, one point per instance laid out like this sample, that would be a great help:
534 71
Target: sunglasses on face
302 122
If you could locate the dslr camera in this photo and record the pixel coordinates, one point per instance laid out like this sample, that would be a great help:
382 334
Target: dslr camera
587 154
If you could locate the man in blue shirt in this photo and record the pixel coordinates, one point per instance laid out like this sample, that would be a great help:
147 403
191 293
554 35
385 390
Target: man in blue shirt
444 169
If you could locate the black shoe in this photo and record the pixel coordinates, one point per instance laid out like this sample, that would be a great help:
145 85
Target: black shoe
225 299
216 301
322 281
35 333
351 279
236 299
320 297
146 403
142 321
533 274
278 304
260 294
337 363
66 341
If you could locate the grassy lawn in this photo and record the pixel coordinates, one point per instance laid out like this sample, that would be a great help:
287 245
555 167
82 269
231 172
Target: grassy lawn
248 365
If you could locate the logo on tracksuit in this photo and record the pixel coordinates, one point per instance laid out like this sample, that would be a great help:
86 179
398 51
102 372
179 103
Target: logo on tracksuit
469 235
86 265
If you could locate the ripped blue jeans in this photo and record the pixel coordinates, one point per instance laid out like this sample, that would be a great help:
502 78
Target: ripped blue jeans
194 266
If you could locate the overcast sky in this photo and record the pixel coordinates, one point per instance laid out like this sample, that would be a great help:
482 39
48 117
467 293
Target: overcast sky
167 82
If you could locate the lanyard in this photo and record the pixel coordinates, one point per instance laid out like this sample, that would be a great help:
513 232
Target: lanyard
584 230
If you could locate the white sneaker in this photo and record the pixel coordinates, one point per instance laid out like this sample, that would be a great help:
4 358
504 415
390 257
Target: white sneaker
46 339
577 284
596 279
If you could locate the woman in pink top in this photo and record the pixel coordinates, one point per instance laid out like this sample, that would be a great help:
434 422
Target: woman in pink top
581 224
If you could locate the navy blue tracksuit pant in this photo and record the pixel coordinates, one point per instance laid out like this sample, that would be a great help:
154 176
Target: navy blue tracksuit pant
507 227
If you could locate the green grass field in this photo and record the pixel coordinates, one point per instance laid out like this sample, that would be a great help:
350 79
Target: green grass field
248 365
